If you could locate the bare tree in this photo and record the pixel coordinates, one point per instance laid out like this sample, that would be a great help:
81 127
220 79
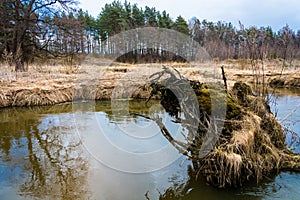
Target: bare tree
24 20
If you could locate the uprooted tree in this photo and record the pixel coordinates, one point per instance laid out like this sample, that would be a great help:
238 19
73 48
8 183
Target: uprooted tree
246 144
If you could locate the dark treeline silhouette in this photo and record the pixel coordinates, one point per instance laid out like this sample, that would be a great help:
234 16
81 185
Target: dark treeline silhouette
153 57
56 28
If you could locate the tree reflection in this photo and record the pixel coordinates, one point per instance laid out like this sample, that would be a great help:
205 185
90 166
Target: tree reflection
196 188
47 151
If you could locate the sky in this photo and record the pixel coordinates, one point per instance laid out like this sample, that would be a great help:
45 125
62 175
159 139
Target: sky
274 13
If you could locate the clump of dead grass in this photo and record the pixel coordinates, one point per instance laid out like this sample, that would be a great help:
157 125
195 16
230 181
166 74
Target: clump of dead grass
37 96
255 150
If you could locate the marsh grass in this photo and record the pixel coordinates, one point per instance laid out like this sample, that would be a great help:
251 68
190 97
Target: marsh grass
52 75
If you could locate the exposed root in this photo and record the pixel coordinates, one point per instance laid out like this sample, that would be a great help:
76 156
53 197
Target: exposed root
252 144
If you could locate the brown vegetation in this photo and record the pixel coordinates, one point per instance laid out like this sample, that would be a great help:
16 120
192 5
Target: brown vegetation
53 82
251 144
274 73
48 85
254 148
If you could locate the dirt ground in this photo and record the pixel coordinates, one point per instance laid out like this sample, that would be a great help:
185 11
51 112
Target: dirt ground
98 78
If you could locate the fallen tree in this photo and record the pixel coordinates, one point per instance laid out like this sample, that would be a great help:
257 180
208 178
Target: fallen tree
246 143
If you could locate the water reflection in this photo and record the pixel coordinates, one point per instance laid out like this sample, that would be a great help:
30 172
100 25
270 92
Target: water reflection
39 154
42 156
285 103
282 186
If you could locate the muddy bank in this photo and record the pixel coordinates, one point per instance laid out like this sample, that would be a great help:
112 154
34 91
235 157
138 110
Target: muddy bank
96 80
288 81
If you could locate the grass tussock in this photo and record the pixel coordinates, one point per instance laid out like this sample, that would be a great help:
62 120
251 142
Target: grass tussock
36 96
253 150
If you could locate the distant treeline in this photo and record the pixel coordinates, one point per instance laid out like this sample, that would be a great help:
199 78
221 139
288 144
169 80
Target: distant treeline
54 28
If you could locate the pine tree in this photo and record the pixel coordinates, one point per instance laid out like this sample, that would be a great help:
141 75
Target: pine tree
181 25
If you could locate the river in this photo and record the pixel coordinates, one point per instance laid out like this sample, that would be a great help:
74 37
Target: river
98 150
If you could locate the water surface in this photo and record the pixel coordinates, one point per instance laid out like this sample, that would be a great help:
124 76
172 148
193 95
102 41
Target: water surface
101 151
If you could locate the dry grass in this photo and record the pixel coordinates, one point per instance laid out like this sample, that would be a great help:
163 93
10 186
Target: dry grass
55 80
254 150
242 70
52 84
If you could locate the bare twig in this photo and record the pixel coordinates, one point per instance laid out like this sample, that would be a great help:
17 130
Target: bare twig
180 146
290 113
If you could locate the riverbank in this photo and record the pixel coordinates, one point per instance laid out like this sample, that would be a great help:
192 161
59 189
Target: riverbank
103 80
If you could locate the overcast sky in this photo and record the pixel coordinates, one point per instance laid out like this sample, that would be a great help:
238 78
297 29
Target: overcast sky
276 13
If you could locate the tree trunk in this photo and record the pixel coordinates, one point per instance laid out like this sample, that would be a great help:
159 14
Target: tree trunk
82 42
18 52
20 64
